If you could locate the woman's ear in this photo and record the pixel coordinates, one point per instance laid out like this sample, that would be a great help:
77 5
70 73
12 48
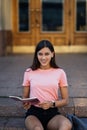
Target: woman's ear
52 54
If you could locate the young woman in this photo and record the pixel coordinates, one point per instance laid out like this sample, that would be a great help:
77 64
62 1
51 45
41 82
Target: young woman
42 80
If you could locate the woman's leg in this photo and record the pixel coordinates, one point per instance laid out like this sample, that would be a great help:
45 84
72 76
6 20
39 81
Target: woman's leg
33 123
59 122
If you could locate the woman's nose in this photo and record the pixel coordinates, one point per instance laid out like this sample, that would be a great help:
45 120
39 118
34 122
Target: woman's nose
43 57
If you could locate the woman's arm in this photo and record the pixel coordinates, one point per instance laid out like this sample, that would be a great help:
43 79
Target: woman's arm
64 97
58 103
26 91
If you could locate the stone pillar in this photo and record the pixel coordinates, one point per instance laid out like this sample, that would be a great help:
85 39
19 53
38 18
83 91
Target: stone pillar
0 15
1 29
5 27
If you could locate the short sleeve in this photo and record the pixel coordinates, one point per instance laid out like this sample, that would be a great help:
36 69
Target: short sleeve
63 79
26 81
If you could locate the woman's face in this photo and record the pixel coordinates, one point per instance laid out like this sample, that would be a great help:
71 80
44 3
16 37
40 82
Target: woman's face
44 56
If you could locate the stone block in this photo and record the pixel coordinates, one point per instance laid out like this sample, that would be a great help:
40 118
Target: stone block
69 109
80 107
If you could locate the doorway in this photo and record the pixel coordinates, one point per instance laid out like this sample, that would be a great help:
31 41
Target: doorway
63 22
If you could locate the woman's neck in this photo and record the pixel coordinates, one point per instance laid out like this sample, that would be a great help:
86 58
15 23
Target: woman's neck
45 68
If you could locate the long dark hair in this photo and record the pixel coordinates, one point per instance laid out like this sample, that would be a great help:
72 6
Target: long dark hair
44 43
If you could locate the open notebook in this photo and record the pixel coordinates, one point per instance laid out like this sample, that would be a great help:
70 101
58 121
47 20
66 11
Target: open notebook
32 100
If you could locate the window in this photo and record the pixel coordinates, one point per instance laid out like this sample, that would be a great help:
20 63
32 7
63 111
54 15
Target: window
81 15
23 7
52 15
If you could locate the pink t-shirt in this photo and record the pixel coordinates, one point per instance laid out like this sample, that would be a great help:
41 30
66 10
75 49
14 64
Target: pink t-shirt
44 84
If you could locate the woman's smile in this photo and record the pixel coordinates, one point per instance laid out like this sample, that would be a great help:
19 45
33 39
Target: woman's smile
44 57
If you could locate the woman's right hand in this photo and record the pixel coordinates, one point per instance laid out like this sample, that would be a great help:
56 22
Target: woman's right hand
26 105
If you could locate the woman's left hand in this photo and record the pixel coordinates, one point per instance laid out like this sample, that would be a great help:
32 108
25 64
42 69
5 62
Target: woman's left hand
46 105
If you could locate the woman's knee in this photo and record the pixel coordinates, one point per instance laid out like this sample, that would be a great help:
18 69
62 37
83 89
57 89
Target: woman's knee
66 125
59 122
32 123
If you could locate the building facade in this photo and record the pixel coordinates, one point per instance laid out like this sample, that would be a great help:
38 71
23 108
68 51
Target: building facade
23 23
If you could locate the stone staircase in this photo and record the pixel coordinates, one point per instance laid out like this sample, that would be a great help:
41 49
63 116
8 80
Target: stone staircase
12 112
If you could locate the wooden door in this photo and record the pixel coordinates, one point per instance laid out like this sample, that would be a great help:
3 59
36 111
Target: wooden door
52 21
43 22
78 24
23 22
55 20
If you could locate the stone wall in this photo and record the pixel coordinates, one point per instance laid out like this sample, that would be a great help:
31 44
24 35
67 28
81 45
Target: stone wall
5 41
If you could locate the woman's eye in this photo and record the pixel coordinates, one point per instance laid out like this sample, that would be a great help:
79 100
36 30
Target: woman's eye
46 54
40 54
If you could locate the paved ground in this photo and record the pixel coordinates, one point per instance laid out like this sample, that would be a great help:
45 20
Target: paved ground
12 69
11 75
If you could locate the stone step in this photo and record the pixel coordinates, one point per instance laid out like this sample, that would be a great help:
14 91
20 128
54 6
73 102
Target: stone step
11 108
11 128
9 123
12 112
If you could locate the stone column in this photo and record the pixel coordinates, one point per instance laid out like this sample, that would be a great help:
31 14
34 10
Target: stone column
1 28
5 27
0 15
